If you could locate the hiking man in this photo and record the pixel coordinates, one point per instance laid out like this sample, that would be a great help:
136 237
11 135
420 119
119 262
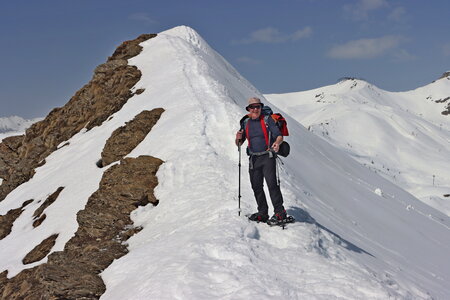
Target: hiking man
263 143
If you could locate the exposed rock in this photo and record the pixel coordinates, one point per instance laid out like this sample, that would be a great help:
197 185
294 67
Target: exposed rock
139 91
104 226
442 100
9 156
41 250
7 221
39 221
50 199
446 74
105 94
446 111
124 139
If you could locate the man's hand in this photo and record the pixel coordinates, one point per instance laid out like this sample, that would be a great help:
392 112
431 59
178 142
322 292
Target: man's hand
239 137
276 147
276 144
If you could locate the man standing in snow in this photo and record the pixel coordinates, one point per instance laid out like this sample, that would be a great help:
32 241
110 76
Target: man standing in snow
262 152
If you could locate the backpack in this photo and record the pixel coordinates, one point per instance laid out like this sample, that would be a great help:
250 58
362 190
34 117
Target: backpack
280 122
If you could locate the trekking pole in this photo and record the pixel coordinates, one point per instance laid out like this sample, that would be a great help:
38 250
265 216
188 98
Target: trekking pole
239 190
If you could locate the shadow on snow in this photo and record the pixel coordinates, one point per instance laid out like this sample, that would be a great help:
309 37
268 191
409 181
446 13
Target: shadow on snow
303 216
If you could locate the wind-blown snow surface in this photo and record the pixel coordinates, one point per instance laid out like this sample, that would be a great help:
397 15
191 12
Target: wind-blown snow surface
402 136
358 236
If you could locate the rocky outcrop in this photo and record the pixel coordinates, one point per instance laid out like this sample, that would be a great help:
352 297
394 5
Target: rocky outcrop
124 139
6 221
105 94
41 250
446 110
446 74
38 215
104 226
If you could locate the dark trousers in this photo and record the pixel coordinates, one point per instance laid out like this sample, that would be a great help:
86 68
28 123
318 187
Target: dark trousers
264 167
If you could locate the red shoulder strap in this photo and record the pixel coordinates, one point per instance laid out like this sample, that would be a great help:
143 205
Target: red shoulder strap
264 129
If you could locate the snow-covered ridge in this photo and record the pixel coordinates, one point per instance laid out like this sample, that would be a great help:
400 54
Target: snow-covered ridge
402 136
357 234
15 123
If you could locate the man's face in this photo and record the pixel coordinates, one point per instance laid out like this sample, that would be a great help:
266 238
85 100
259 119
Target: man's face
255 110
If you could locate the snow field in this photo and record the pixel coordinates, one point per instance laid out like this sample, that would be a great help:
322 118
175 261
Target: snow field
193 245
401 136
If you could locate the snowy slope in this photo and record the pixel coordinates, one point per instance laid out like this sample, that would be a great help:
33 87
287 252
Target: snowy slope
402 136
14 125
359 235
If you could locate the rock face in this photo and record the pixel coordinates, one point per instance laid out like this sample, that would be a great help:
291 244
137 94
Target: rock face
126 138
6 221
106 93
38 214
41 250
104 226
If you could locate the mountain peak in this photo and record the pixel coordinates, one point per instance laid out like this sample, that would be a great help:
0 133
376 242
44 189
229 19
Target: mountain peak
354 83
446 74
15 124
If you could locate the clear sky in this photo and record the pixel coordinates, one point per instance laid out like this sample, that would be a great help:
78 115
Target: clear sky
49 48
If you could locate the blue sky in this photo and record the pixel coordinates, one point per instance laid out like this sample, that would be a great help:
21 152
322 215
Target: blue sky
49 48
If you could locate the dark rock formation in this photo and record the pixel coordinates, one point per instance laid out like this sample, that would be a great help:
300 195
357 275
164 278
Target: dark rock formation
105 94
41 250
50 199
124 139
446 110
446 74
104 226
6 221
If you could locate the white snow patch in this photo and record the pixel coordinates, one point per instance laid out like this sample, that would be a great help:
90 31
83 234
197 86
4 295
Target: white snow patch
401 136
379 192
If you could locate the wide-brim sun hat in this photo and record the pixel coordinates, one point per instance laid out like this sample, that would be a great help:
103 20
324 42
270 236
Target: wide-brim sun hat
253 100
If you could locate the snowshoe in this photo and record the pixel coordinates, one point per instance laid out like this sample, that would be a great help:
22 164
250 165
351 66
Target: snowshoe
258 217
280 219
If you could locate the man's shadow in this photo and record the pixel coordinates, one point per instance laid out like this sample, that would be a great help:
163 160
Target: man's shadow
303 216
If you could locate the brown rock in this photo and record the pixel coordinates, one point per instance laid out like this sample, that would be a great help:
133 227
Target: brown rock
7 221
104 95
39 221
49 201
124 139
104 226
41 250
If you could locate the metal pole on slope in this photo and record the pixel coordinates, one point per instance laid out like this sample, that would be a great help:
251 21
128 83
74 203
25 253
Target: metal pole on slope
239 190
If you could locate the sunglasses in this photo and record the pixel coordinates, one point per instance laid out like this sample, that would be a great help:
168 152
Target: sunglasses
254 106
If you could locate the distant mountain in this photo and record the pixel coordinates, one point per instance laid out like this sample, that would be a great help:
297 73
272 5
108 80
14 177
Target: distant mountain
15 124
403 136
